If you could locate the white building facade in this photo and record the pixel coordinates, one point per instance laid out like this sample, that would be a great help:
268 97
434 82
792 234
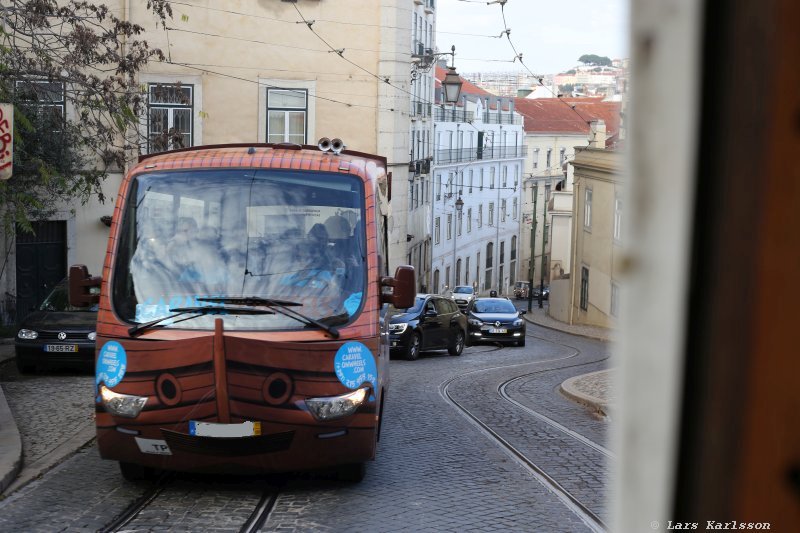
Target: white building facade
478 165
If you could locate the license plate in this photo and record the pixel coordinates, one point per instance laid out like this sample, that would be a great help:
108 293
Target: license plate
498 330
211 429
60 347
153 446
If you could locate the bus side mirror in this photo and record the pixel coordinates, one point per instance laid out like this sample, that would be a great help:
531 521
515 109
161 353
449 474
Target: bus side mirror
403 284
81 285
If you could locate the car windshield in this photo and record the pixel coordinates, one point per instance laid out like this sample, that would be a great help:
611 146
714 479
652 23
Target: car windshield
58 300
463 290
417 305
291 235
495 306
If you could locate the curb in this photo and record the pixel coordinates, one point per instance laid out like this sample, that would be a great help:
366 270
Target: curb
564 330
10 445
569 390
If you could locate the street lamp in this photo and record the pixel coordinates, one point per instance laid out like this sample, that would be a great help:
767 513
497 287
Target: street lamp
459 208
452 81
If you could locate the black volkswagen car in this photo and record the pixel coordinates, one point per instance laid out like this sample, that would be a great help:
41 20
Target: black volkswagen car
434 322
56 333
495 319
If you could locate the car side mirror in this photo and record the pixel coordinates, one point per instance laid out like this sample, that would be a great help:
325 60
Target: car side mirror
522 312
81 285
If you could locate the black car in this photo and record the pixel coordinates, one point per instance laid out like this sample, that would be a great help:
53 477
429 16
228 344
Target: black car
495 319
434 322
545 293
56 333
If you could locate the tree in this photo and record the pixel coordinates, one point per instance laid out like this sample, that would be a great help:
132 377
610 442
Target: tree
70 69
595 60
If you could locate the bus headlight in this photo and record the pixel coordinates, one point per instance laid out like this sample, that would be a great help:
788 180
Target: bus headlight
333 407
123 405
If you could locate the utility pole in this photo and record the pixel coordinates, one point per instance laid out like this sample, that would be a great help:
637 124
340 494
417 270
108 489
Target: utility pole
544 240
533 247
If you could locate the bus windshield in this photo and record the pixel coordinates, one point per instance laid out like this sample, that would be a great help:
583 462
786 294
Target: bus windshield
290 235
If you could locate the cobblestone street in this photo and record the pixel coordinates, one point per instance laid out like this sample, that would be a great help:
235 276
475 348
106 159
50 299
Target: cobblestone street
435 470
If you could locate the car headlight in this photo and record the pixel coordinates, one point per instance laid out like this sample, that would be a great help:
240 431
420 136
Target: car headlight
518 322
398 328
28 334
474 322
92 336
123 405
333 407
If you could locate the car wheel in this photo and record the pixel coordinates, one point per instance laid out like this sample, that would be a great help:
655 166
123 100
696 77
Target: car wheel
521 343
24 365
134 472
412 351
352 473
457 345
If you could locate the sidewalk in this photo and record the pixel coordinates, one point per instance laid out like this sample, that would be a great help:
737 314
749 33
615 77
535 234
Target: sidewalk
10 442
593 390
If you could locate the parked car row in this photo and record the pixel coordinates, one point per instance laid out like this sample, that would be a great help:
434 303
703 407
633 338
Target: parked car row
436 322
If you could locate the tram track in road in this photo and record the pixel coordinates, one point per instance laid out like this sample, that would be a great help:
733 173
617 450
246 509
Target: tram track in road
126 521
570 500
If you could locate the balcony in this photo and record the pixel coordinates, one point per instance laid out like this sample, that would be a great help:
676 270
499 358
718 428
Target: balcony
464 155
420 109
441 114
429 6
491 117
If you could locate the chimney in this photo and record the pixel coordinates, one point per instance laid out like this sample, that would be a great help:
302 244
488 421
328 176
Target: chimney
597 134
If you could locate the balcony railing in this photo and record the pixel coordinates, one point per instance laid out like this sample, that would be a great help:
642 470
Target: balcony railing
491 117
452 115
463 155
420 109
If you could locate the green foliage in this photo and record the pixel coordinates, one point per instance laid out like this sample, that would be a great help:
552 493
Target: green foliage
595 60
77 104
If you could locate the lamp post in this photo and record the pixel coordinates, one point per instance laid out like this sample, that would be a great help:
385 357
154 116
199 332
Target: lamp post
459 208
544 241
533 247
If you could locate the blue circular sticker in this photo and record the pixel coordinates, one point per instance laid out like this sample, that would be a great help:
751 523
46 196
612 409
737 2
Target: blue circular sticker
354 364
111 364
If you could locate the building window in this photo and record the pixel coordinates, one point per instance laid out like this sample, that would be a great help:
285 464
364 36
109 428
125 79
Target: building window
505 177
470 181
169 117
466 271
587 209
458 272
469 220
618 219
45 102
437 231
514 209
491 213
460 183
449 227
503 207
549 153
287 111
460 220
584 288
481 186
438 187
563 155
491 178
614 299
480 216
489 264
502 252
513 248
535 158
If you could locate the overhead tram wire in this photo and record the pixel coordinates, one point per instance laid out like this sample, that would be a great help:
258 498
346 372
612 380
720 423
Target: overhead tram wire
269 86
518 56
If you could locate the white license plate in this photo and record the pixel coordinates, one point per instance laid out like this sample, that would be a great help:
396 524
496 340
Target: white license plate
211 429
153 446
498 330
60 347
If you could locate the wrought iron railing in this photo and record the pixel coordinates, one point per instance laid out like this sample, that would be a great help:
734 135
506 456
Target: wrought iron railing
463 155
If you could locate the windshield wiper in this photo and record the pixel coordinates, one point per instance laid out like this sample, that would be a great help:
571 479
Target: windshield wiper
200 311
281 306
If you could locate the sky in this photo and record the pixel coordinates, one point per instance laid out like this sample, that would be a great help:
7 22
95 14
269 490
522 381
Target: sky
550 34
